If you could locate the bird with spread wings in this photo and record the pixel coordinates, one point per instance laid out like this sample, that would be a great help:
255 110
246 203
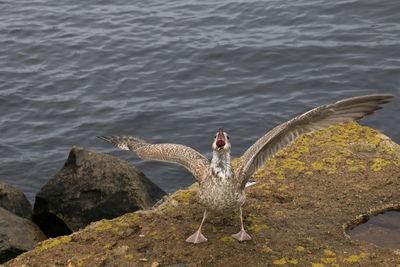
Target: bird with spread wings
221 187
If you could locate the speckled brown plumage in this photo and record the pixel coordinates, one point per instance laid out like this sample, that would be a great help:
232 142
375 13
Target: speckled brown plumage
223 188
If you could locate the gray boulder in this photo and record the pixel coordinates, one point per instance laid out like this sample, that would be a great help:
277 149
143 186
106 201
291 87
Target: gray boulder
15 201
90 187
17 235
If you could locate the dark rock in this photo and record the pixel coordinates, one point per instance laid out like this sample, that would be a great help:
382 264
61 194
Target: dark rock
15 201
90 187
17 235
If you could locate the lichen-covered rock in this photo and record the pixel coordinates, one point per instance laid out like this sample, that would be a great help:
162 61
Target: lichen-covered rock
17 235
297 214
91 186
15 201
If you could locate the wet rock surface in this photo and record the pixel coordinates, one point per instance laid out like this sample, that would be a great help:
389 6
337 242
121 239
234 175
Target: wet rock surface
15 201
91 186
17 235
297 214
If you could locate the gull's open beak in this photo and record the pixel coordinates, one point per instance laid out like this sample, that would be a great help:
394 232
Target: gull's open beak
220 139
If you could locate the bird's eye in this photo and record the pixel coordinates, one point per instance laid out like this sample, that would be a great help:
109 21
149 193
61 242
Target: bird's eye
215 136
228 137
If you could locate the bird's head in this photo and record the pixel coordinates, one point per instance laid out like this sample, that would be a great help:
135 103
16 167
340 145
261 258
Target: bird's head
221 141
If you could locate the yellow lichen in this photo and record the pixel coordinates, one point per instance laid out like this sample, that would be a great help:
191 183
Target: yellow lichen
328 260
329 252
227 239
257 206
172 209
280 262
121 224
292 261
300 248
379 164
285 260
184 194
256 227
254 219
107 246
184 197
102 226
173 236
66 239
259 174
194 226
293 164
51 242
133 217
352 258
317 265
317 165
267 250
302 148
261 185
278 212
154 234
128 256
282 188
364 254
327 164
80 263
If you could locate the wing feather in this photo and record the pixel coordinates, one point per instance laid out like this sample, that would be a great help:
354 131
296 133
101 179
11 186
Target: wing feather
283 135
192 160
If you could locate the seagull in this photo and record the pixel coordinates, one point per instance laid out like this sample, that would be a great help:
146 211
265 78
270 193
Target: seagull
223 188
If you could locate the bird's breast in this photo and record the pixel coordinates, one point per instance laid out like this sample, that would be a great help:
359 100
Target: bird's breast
219 193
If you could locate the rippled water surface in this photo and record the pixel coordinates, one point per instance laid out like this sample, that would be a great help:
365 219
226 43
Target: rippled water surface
176 71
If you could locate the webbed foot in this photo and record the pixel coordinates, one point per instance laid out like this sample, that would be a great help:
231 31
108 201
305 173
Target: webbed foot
242 236
197 238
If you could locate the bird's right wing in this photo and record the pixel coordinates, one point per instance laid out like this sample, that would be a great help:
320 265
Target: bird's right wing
192 160
277 139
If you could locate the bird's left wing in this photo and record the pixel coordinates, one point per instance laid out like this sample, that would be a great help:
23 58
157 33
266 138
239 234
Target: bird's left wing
192 160
277 139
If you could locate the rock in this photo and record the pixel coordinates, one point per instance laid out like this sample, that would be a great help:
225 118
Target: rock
326 175
15 201
17 235
91 186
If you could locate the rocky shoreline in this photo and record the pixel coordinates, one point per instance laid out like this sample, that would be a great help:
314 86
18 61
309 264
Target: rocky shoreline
90 187
298 213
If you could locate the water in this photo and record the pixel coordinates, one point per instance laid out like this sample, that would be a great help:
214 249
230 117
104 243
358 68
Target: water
176 71
382 230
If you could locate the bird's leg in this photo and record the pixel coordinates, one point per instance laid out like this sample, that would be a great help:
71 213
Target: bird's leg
198 237
242 235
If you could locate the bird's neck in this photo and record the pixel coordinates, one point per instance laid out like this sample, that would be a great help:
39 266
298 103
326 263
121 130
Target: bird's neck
221 165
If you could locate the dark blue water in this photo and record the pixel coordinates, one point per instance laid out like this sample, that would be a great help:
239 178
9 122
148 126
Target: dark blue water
176 71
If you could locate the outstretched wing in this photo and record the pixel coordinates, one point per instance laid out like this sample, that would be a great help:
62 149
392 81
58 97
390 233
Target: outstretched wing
192 160
280 137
